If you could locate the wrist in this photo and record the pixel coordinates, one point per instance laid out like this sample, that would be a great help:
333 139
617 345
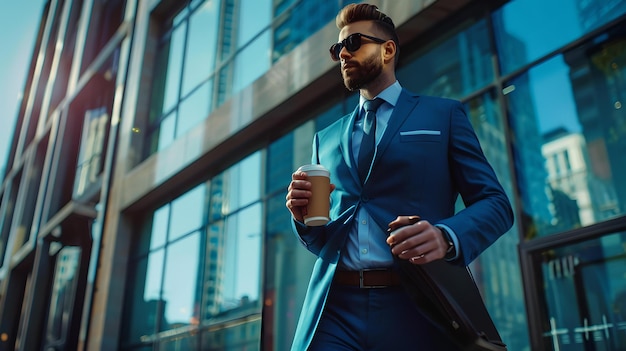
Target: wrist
451 250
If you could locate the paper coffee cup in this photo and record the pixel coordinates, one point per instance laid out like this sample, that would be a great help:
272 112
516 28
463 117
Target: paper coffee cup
319 202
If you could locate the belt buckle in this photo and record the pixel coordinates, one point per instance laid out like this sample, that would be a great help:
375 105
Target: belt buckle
361 286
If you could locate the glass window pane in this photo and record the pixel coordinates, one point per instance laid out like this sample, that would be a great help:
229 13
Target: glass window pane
485 114
335 112
241 184
455 67
242 260
160 222
153 277
62 299
279 164
287 271
213 270
153 231
240 336
570 139
201 44
167 74
194 108
216 198
187 212
181 284
249 179
258 52
584 295
497 269
92 150
526 30
183 342
300 22
163 136
254 16
145 297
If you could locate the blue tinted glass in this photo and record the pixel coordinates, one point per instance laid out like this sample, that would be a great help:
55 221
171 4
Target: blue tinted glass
242 184
299 23
329 116
181 283
454 67
529 29
583 295
257 52
143 304
216 198
160 222
163 135
254 17
171 69
187 212
242 258
497 269
194 108
567 117
200 55
250 179
279 164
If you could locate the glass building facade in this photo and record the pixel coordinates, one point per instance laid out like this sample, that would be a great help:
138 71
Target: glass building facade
143 202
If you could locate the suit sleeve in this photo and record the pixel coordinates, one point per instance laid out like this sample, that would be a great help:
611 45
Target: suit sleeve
488 213
312 238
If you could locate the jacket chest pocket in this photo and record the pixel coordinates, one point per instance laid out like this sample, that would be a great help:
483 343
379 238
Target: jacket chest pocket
421 135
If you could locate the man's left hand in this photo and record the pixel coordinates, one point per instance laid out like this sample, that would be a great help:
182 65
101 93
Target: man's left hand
416 240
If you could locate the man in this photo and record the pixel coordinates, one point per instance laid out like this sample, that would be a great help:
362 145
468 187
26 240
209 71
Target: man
426 154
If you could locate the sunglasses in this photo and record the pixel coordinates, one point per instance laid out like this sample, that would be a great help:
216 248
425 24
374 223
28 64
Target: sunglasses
352 43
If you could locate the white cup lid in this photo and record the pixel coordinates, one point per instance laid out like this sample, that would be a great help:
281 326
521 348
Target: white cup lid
314 170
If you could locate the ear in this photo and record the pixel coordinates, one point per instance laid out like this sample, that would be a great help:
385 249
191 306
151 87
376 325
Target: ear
389 51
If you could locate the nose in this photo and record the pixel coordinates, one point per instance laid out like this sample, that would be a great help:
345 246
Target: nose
344 53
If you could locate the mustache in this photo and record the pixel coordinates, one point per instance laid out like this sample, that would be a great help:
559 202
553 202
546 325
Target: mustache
350 63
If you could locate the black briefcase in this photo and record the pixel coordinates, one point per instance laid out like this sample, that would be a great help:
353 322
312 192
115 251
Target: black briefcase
449 297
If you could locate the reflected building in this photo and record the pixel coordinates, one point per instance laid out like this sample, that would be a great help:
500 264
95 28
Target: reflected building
214 261
297 20
598 88
593 13
532 186
590 196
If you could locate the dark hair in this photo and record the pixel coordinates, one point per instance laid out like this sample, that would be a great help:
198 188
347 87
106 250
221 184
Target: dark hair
365 12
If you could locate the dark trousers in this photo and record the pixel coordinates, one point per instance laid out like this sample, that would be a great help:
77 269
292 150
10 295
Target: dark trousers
381 319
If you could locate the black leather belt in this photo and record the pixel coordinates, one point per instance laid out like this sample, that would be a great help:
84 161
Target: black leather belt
367 278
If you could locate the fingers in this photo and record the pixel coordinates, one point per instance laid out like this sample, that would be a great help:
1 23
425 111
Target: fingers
419 243
298 194
402 221
416 259
405 227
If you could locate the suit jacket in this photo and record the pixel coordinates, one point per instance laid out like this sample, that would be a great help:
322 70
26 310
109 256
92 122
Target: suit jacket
429 154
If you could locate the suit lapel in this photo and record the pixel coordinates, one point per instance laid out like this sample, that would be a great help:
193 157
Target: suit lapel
346 144
404 107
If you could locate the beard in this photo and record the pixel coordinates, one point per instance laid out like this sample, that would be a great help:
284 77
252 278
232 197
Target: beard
363 73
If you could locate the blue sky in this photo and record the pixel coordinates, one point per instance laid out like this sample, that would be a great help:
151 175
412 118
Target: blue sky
19 22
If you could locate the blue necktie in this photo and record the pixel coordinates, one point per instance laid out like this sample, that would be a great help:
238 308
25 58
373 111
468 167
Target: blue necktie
368 143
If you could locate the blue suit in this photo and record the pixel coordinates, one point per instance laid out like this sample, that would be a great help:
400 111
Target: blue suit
428 155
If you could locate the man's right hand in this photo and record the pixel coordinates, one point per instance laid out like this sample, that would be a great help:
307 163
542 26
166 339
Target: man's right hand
298 195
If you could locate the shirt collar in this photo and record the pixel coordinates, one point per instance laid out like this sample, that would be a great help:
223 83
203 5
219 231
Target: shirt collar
391 94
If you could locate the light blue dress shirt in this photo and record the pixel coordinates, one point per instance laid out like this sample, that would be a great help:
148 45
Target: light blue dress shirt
366 246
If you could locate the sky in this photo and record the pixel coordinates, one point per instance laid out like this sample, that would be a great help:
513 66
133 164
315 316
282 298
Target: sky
19 23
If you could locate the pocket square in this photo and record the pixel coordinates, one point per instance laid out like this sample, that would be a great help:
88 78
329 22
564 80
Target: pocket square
421 132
